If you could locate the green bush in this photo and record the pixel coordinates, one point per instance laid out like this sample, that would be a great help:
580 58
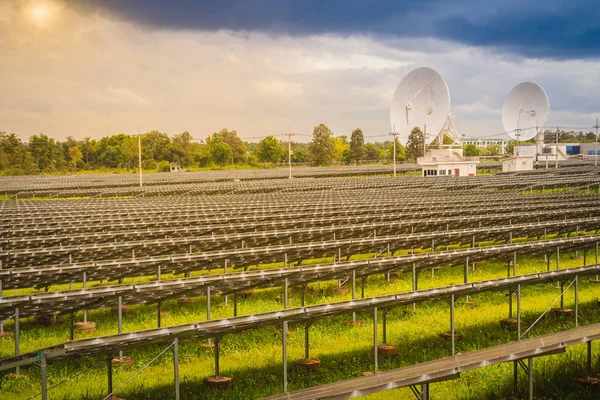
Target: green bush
163 166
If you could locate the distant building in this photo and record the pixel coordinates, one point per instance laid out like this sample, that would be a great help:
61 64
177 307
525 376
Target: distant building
518 163
483 143
444 162
174 167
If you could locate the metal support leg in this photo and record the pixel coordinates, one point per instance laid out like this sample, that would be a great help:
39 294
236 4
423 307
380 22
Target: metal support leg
518 312
515 379
285 293
510 304
306 341
208 303
425 391
235 304
364 281
44 376
176 367
84 286
557 257
562 295
284 354
217 369
353 293
452 322
589 358
530 376
72 327
17 337
415 282
576 294
515 263
375 366
158 307
466 275
120 312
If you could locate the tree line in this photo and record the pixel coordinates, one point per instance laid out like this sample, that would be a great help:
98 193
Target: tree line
43 154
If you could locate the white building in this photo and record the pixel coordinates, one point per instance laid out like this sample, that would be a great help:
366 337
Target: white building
446 162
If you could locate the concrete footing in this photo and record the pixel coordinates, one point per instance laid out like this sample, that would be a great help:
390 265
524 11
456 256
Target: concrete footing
218 382
387 350
125 361
448 336
85 326
562 311
310 364
508 323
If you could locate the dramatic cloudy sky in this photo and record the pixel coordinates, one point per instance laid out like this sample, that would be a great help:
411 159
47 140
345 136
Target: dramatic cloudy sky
93 68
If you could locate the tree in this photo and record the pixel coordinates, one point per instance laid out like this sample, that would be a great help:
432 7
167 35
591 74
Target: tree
75 156
220 152
321 150
400 150
357 146
129 150
372 152
415 144
493 149
340 146
470 150
270 150
236 145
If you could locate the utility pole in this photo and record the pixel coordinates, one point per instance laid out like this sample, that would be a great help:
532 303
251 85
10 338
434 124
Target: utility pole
556 166
596 152
289 135
140 154
395 135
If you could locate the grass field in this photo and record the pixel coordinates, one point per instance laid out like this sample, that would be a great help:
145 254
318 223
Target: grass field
253 358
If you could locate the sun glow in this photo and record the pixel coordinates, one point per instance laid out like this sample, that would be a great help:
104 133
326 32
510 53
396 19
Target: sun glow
40 14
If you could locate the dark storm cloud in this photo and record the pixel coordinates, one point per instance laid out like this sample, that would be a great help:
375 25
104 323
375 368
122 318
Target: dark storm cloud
544 29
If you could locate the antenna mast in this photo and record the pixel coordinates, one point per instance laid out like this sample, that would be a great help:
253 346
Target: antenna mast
395 135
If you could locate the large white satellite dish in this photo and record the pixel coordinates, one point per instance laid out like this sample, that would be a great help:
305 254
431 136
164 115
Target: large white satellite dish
422 99
525 110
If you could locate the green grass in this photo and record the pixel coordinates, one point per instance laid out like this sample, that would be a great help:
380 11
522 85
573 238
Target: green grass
253 357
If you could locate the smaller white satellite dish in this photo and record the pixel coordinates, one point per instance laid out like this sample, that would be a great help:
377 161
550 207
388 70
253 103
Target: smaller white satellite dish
525 110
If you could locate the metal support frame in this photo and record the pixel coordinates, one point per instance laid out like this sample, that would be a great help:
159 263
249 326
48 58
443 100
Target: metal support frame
452 299
158 307
375 355
363 283
176 367
557 257
120 312
285 293
217 353
84 286
44 376
306 340
423 393
284 355
528 368
72 326
589 358
576 299
518 312
466 275
353 293
17 337
235 304
415 281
